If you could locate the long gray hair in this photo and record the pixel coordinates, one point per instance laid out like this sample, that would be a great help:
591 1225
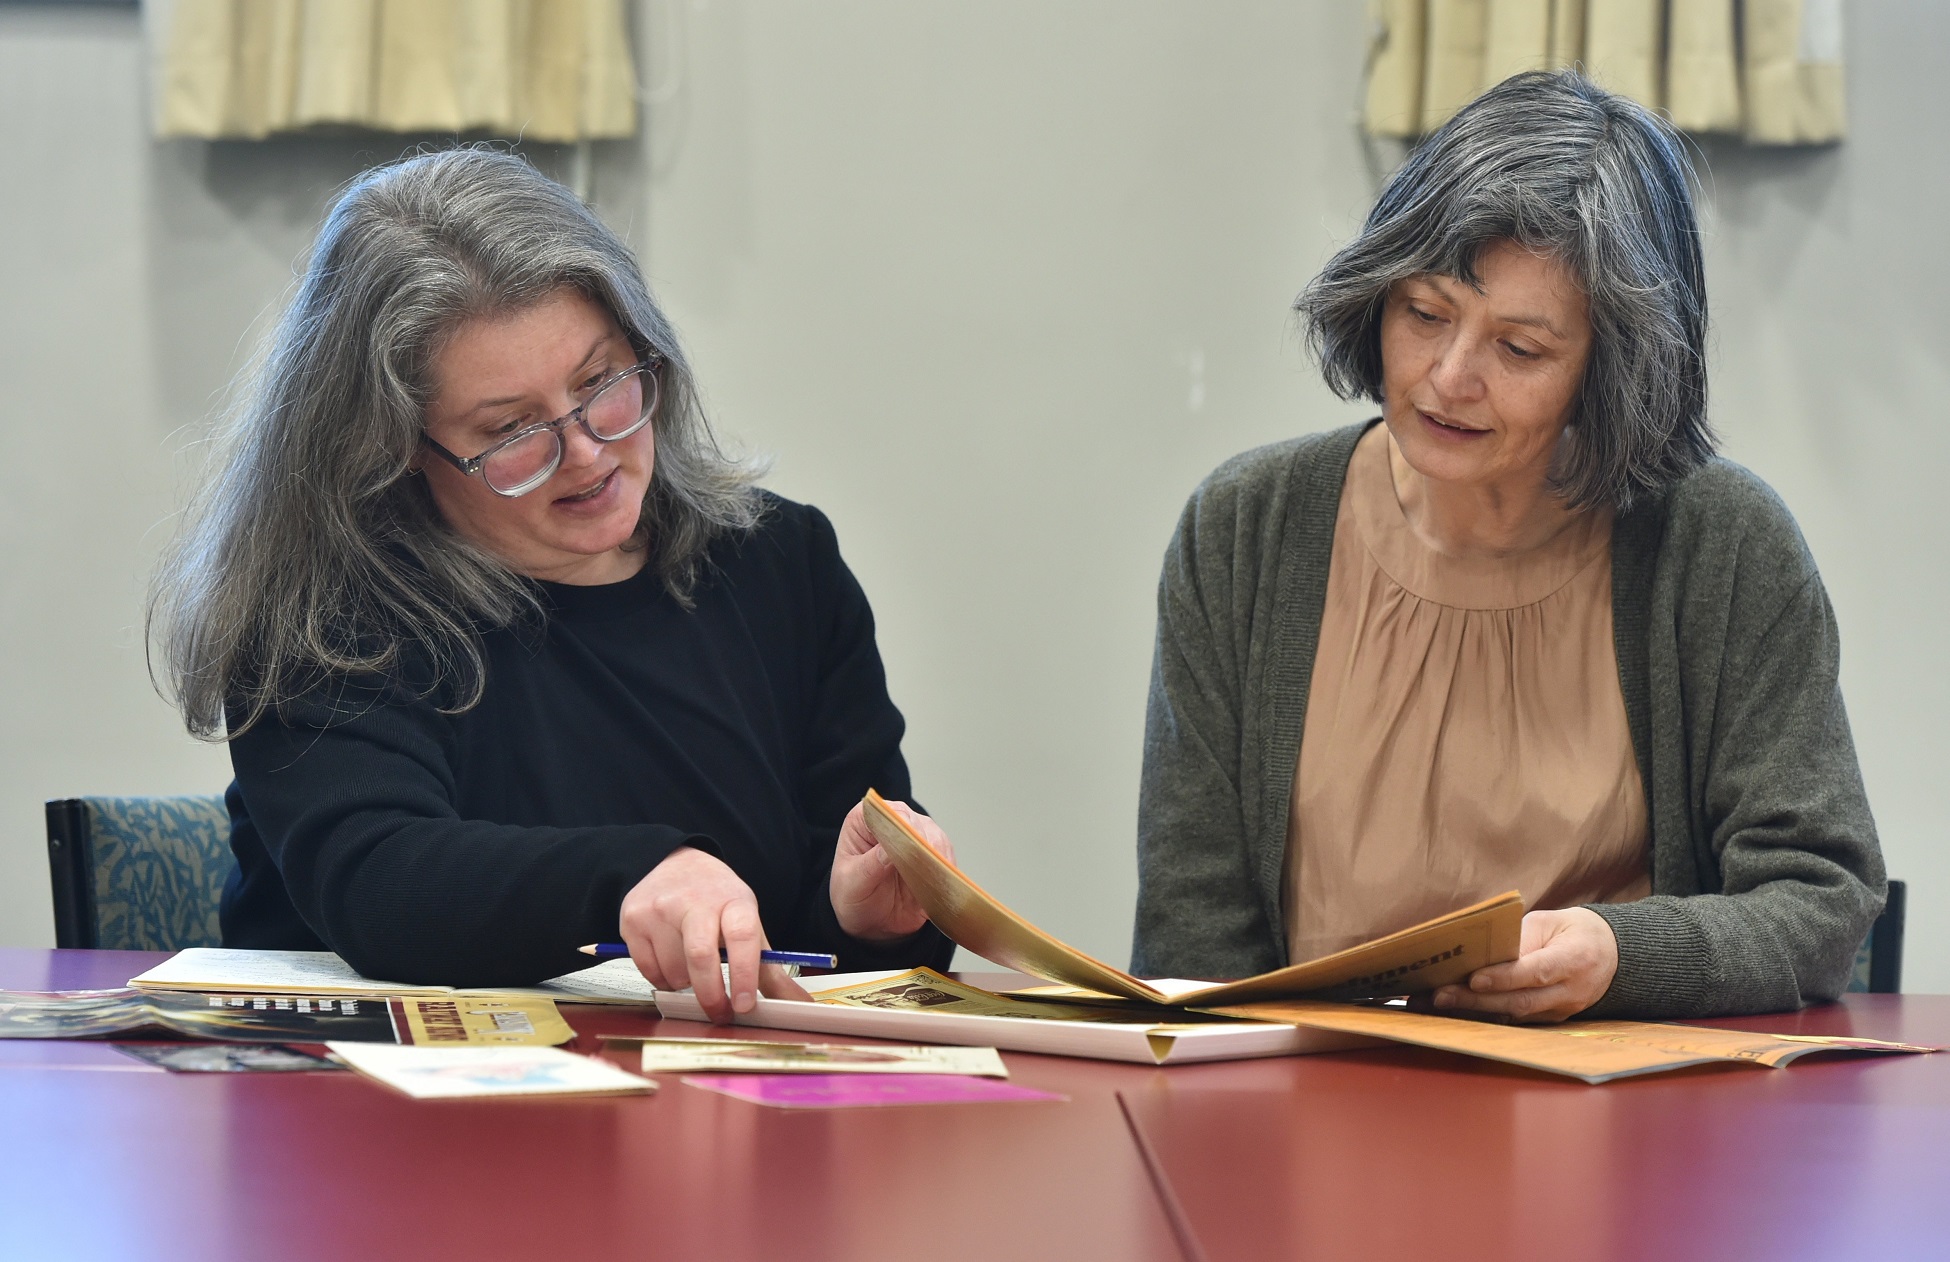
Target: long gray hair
314 552
1559 166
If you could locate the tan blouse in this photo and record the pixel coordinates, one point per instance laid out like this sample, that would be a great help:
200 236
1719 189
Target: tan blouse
1465 731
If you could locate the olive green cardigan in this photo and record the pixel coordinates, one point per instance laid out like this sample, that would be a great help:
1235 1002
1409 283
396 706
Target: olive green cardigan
1765 868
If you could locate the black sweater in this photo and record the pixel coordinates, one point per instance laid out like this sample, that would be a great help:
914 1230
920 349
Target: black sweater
481 848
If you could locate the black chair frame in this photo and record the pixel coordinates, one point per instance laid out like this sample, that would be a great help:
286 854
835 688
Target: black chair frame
71 869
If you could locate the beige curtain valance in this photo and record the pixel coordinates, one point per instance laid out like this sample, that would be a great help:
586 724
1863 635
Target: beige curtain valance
1767 70
555 70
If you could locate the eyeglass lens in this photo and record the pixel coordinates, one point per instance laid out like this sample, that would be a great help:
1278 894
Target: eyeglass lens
611 413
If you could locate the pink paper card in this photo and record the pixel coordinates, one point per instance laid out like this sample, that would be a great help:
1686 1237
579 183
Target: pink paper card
853 1091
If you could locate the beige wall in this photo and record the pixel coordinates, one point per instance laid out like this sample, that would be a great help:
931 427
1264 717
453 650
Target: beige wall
995 284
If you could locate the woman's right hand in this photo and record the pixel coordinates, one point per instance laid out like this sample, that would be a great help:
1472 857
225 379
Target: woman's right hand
675 920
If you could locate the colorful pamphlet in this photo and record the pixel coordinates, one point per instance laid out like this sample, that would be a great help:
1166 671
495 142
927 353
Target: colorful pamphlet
666 1056
441 1073
847 1091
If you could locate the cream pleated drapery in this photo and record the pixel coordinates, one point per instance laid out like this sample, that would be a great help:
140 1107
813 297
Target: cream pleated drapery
1767 70
551 70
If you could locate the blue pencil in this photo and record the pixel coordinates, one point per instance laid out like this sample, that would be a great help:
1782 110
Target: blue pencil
804 959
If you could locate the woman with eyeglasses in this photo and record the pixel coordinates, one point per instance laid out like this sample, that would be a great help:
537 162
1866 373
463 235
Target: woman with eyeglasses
510 655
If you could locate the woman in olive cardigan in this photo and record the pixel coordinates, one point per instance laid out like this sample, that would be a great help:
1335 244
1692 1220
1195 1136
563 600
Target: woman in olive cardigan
1552 642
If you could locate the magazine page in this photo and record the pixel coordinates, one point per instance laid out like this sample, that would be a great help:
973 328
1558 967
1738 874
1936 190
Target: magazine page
1419 958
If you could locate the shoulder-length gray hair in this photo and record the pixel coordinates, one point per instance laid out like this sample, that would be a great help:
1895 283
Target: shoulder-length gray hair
314 552
1560 166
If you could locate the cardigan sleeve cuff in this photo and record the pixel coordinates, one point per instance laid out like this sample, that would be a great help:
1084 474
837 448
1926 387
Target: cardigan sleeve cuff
1662 962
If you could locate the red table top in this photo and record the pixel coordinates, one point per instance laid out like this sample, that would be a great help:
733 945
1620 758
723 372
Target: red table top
1372 1155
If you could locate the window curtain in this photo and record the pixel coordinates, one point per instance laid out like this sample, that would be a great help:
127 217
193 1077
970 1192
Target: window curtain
1767 70
552 70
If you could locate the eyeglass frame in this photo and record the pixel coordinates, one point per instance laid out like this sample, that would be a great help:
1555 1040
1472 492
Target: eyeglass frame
477 465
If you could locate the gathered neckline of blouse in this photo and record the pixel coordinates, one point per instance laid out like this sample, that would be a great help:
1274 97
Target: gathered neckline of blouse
1467 582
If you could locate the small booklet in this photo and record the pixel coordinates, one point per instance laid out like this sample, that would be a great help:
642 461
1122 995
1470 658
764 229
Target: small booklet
842 1091
1419 958
441 1073
667 1056
231 971
259 1018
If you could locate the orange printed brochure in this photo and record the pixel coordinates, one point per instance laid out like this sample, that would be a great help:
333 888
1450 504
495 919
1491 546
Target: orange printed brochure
1419 958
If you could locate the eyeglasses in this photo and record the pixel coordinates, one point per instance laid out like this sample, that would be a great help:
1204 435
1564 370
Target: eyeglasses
618 407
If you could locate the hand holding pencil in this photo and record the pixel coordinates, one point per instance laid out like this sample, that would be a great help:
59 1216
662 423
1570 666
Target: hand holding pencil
678 919
692 907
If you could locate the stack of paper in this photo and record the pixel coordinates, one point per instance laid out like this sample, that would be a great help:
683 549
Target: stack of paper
208 969
921 1004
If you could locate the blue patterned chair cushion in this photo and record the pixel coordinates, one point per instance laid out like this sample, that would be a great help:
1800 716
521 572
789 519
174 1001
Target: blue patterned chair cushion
159 868
1858 980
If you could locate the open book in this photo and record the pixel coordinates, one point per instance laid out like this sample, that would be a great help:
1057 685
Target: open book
1419 958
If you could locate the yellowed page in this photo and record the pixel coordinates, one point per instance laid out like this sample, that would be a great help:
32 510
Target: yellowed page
1418 958
723 1056
975 919
464 1021
1772 1050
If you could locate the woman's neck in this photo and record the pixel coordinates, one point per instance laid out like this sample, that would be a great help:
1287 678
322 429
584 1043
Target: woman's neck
1509 517
599 570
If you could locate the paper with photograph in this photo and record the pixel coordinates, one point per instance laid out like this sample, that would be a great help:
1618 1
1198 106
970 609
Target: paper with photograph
843 1091
924 990
1418 958
666 1056
439 1073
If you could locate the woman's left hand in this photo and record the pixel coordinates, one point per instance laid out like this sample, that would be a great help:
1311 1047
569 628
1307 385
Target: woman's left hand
871 900
1565 963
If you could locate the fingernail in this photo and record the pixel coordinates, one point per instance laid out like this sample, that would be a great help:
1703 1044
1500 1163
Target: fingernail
1443 999
744 1002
